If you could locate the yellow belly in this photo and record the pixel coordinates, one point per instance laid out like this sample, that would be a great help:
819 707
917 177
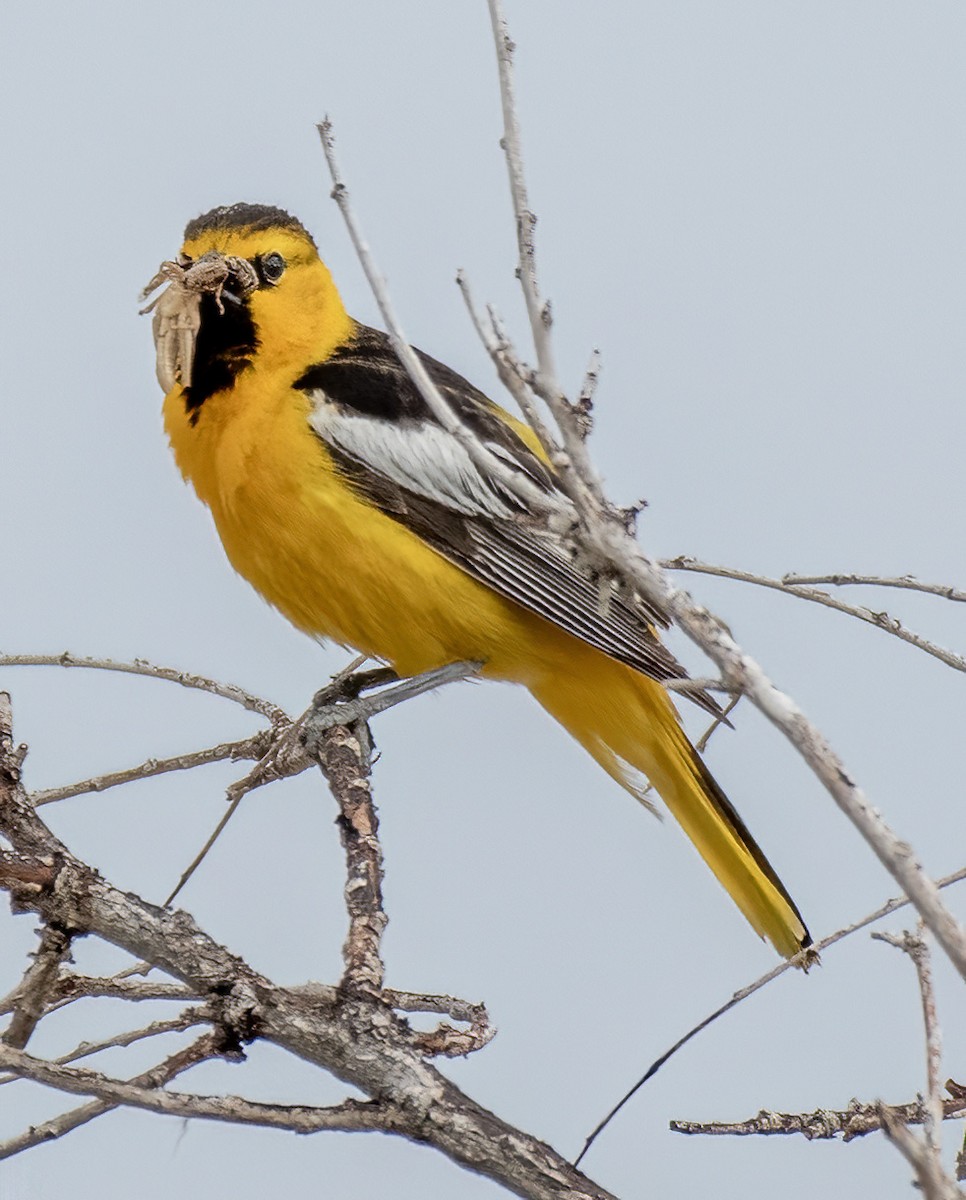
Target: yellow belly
332 564
338 568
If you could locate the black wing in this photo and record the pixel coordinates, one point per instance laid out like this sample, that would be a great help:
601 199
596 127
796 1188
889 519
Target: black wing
385 440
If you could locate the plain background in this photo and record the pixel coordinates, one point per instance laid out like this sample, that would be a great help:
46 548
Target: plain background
756 211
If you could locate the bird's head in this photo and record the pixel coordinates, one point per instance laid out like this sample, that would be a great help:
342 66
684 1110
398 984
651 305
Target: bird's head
248 278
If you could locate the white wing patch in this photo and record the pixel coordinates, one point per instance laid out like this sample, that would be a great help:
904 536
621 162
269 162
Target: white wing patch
421 456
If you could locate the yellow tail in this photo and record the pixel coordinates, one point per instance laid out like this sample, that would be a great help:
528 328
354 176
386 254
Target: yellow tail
628 723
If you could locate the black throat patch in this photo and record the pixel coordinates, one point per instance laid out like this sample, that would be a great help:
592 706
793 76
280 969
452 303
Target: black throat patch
225 346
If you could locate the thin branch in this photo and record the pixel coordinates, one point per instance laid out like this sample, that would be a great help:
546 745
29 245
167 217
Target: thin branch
356 1037
178 1024
344 754
353 1116
908 582
490 464
513 374
722 719
881 620
86 987
578 476
29 1000
284 755
526 218
444 1039
914 944
250 748
933 1181
227 691
588 388
200 1050
202 854
749 989
822 1124
608 545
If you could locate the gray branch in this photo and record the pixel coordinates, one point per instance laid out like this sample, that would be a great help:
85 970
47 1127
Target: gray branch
354 1035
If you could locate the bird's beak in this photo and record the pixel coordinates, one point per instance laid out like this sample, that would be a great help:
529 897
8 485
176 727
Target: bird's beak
177 310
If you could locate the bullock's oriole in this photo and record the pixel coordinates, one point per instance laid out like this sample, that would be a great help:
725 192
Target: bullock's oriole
350 508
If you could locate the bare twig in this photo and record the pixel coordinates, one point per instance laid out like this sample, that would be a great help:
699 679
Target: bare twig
924 1155
526 218
513 374
185 1020
961 1161
909 582
355 1037
352 1116
881 620
202 854
227 691
30 999
588 388
578 476
856 1120
344 754
343 751
820 947
85 987
933 1181
205 1047
251 748
283 755
444 1039
490 464
915 945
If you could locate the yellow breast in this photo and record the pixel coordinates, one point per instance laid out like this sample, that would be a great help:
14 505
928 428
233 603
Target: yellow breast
332 564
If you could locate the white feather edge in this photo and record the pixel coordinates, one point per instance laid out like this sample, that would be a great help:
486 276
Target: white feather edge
422 457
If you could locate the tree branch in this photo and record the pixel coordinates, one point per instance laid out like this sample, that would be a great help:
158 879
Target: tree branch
354 1036
490 464
610 549
178 1024
749 989
227 691
914 945
444 1040
352 1116
933 1181
578 475
881 620
29 999
822 1124
156 1077
908 582
253 747
344 755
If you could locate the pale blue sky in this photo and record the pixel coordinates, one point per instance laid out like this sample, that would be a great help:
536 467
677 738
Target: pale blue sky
756 211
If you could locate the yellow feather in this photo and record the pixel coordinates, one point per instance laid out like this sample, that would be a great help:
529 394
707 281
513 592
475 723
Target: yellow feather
336 566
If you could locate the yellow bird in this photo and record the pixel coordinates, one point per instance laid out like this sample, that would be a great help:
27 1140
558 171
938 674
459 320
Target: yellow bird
349 507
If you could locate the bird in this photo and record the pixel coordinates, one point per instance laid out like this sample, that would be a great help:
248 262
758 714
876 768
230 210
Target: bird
350 507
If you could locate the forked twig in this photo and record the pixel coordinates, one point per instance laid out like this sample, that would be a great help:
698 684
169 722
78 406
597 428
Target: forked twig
908 582
881 620
140 666
820 947
916 947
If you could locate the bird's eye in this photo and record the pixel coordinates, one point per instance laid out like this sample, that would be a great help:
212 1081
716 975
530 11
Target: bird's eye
270 267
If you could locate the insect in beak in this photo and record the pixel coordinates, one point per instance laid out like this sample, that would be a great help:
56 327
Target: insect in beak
177 310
